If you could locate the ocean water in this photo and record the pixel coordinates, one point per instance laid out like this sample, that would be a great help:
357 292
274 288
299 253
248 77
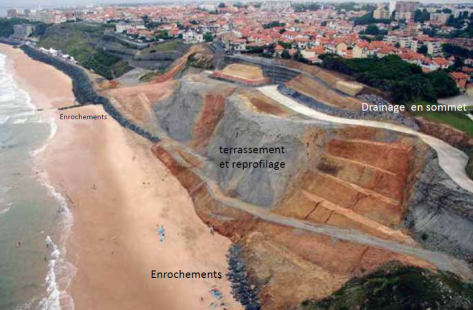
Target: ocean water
34 218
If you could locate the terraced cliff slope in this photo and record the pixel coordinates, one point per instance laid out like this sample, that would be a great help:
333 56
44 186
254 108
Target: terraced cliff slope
350 198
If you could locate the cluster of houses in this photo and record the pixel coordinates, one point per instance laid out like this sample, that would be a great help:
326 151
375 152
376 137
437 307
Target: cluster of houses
280 28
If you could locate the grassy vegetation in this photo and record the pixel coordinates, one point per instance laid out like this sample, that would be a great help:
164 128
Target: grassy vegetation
161 47
200 61
150 76
78 40
457 120
398 287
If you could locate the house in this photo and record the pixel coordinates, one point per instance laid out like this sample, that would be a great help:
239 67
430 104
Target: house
441 63
192 37
312 54
468 70
341 49
123 27
290 35
278 50
460 78
22 31
434 48
361 50
302 43
469 89
237 45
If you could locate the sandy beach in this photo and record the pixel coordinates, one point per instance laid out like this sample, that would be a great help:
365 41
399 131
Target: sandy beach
119 192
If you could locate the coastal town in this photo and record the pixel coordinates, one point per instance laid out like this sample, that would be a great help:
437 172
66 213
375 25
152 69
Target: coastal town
257 155
434 36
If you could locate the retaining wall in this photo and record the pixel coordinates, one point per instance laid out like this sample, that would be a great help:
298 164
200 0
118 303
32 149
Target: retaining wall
369 115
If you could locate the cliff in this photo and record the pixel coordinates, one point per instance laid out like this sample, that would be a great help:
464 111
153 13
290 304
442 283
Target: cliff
374 185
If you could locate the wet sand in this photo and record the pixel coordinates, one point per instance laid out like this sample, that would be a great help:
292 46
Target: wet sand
119 192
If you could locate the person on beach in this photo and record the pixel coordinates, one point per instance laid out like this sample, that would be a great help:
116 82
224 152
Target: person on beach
211 230
48 241
162 233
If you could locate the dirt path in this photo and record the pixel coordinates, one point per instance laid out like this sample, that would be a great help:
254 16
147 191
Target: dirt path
451 160
440 260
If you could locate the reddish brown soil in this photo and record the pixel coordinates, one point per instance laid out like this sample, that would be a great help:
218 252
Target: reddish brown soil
311 88
278 256
179 64
265 104
212 112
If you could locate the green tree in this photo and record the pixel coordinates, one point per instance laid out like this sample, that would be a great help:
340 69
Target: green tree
208 37
457 65
421 16
285 54
443 84
372 30
423 50
369 19
286 45
221 5
273 24
457 51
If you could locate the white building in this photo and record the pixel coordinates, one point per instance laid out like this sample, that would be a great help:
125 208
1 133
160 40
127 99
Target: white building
22 31
434 48
208 7
192 37
392 7
122 27
405 42
381 13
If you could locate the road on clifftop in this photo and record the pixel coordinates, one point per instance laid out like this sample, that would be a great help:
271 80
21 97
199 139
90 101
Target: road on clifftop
451 160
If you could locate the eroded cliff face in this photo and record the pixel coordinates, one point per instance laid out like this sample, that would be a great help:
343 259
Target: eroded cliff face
351 178
440 213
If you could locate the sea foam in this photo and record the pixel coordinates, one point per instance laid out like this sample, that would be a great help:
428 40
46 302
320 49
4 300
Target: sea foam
16 107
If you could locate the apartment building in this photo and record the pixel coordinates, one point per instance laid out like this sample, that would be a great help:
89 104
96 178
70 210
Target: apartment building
22 31
381 13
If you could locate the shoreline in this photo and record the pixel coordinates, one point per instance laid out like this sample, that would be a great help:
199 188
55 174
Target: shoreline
119 192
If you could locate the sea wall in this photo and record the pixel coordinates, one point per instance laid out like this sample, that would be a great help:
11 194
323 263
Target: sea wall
123 40
278 74
221 76
84 90
11 42
242 290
